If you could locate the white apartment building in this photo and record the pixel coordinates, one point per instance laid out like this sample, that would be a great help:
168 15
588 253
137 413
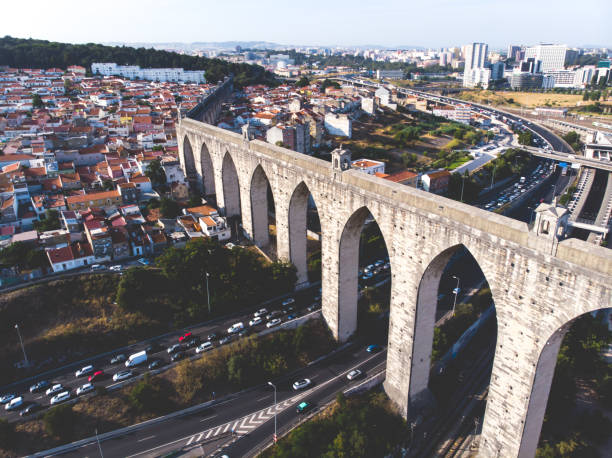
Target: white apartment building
369 166
338 124
475 72
176 75
551 56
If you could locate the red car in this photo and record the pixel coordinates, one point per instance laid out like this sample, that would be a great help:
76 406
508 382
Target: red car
185 336
96 376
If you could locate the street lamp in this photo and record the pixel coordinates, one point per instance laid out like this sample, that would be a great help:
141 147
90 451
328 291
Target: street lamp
462 185
274 386
456 291
493 177
207 275
25 357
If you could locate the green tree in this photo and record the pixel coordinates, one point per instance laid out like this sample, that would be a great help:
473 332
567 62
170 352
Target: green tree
108 185
7 434
37 101
50 222
169 208
329 83
302 82
526 138
23 256
156 173
60 421
148 396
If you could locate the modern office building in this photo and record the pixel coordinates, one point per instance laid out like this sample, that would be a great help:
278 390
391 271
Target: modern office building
476 72
552 56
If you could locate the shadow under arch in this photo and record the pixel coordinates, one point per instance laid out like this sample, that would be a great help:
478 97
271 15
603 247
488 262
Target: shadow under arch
542 382
190 167
298 229
208 172
231 189
348 271
262 201
455 267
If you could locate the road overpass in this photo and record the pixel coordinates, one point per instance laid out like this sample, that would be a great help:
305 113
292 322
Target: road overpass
540 280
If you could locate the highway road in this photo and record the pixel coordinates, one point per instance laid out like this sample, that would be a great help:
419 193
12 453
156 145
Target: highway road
250 415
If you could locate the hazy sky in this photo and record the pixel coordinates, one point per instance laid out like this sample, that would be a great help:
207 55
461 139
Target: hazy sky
429 23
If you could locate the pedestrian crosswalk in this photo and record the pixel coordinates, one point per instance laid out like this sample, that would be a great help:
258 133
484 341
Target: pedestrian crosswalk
243 425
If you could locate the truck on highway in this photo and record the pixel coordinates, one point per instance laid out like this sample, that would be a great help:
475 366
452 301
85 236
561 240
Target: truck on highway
136 359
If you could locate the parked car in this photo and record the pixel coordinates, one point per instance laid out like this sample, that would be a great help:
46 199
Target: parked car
204 347
54 389
123 375
61 397
39 386
7 398
116 268
291 317
187 335
84 371
260 313
29 410
373 348
118 359
301 384
288 301
96 267
96 376
144 261
255 321
14 403
352 375
84 389
274 322
174 348
177 356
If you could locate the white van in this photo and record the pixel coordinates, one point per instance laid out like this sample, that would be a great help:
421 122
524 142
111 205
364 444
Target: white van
236 327
16 402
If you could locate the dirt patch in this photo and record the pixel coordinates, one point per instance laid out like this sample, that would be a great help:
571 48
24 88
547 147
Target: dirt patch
521 99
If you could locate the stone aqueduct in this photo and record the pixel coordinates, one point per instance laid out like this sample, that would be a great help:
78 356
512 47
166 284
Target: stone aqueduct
539 283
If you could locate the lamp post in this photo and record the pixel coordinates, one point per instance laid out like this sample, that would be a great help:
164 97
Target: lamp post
274 386
25 357
99 445
493 177
456 291
462 185
206 276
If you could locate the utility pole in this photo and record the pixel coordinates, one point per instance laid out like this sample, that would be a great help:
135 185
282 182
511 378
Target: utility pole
462 185
456 291
25 357
274 386
207 275
99 445
492 177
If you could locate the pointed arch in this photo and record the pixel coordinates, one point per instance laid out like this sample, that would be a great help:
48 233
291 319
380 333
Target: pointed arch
190 168
231 188
208 172
425 317
260 191
348 270
298 229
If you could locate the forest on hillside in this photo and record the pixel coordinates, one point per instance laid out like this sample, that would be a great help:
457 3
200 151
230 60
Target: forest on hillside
30 53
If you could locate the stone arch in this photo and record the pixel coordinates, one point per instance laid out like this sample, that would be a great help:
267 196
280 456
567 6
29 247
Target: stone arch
298 225
208 172
259 206
191 172
231 188
425 318
348 269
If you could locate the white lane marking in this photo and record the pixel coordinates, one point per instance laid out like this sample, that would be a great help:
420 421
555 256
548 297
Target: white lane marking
218 430
208 434
265 397
234 425
199 437
190 440
145 438
208 418
226 427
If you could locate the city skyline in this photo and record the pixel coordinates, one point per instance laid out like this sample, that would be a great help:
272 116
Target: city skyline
389 23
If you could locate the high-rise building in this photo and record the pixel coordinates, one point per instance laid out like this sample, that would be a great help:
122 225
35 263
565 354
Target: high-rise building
551 56
514 52
476 72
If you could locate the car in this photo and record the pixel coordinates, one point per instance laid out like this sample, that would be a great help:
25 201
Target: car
95 267
39 386
288 301
123 375
244 333
155 364
312 308
303 407
153 347
144 261
288 309
116 268
236 327
225 340
84 371
29 410
273 314
118 359
212 336
192 342
291 317
301 384
274 322
61 397
187 335
54 389
96 376
255 321
352 375
14 403
260 313
85 388
204 347
373 348
379 263
177 356
7 398
174 348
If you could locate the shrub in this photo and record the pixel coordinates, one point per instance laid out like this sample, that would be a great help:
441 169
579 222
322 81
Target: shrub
60 421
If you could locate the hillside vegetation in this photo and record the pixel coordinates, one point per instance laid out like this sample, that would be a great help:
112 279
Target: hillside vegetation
22 53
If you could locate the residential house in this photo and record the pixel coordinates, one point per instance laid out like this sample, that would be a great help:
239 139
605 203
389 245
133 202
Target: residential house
436 182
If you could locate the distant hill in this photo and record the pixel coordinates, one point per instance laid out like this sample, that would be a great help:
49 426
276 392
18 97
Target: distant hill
30 53
217 45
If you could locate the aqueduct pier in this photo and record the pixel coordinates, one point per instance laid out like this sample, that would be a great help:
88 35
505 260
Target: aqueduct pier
540 281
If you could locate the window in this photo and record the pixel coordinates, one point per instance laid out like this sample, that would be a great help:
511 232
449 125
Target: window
545 227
